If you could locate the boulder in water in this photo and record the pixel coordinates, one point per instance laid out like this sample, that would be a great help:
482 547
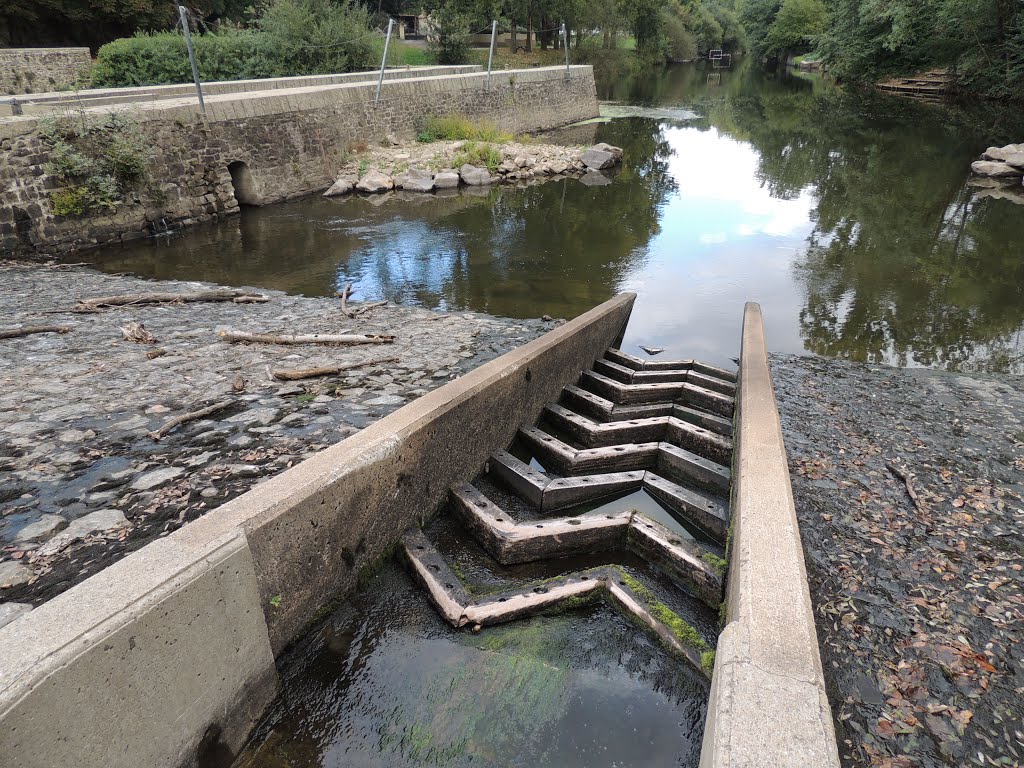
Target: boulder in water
375 182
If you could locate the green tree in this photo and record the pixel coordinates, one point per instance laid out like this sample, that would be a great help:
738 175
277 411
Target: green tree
796 26
449 41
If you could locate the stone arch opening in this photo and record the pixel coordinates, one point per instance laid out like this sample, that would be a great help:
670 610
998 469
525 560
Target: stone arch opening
244 184
23 227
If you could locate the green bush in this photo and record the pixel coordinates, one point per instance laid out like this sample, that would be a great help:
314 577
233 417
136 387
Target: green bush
450 41
479 155
291 37
96 160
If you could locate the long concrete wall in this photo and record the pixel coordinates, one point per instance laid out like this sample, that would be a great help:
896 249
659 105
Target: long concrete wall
170 651
57 101
290 140
768 703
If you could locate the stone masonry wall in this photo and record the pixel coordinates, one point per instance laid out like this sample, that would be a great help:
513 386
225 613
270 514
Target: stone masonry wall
291 143
33 70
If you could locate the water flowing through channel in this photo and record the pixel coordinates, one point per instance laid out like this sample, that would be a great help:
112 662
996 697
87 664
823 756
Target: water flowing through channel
847 215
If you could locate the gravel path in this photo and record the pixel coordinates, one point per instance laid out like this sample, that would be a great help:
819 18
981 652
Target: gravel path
81 481
909 489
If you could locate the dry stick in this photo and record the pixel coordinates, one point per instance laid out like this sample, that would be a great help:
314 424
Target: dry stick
908 482
295 374
28 330
363 308
177 421
312 338
344 296
135 299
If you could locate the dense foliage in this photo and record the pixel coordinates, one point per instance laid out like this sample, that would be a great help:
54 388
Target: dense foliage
291 37
980 41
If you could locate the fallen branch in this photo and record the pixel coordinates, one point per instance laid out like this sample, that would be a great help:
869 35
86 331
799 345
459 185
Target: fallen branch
136 299
311 338
185 418
363 308
296 374
908 482
28 330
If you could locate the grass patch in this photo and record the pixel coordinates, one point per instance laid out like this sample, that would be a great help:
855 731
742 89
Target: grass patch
458 128
716 562
480 155
682 630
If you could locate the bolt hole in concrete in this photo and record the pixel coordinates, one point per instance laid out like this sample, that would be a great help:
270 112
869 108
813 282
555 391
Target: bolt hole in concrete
243 184
385 682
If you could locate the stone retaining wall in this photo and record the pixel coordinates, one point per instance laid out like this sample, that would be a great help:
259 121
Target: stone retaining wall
31 70
281 144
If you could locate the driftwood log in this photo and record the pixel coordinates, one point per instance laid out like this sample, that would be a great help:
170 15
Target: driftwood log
309 338
363 308
185 418
28 330
344 298
137 299
296 374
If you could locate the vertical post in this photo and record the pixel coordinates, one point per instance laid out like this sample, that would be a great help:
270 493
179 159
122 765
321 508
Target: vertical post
490 56
192 57
384 60
565 44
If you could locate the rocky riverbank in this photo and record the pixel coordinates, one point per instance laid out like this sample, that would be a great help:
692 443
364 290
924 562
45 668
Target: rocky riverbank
82 481
909 488
445 165
999 173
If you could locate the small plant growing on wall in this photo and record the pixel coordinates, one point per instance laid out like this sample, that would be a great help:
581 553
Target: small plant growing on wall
96 160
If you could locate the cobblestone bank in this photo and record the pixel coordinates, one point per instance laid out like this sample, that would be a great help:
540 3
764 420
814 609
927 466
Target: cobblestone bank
908 488
81 481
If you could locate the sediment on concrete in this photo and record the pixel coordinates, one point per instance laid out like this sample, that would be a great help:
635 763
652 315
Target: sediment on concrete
262 147
174 646
768 703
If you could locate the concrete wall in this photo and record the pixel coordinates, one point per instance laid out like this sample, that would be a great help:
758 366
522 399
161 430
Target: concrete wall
768 704
137 664
30 70
290 139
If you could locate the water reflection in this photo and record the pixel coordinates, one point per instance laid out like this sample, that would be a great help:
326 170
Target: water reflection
846 215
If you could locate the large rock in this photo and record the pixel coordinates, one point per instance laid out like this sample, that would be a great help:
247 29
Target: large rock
993 168
95 522
558 166
42 528
1001 153
12 574
475 177
375 182
340 187
598 159
1016 160
447 179
416 180
156 478
617 151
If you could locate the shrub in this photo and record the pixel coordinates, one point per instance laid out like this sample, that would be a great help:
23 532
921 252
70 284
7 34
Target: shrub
479 155
449 43
97 160
291 37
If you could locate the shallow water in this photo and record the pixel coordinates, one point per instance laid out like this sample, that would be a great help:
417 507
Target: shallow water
846 215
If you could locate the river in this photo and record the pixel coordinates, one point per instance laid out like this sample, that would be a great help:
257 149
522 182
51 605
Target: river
846 214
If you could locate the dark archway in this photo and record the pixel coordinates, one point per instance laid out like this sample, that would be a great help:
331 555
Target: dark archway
23 227
244 184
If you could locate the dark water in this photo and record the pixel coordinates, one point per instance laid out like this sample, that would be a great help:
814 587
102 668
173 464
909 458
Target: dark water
847 215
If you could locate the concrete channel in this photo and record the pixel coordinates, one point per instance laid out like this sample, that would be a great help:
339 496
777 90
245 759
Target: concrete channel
169 656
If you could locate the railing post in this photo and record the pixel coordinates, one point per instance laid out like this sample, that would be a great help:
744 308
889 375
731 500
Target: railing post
384 61
490 56
192 57
565 44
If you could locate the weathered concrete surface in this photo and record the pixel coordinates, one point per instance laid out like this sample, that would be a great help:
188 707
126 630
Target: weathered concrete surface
133 666
27 70
358 497
137 664
768 703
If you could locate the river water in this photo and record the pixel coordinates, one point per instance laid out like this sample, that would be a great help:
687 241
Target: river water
846 215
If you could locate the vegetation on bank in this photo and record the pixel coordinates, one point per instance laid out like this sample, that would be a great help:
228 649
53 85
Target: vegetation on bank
980 41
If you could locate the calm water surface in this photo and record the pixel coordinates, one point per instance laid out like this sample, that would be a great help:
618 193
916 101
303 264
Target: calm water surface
847 215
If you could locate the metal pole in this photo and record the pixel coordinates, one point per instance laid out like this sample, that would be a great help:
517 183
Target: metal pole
192 57
384 61
565 44
490 56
